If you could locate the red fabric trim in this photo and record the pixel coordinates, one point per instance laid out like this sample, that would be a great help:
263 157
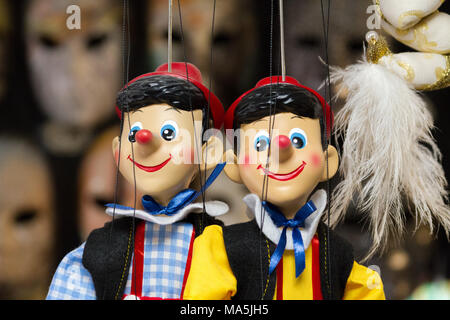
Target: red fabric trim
188 263
280 280
138 265
317 290
138 260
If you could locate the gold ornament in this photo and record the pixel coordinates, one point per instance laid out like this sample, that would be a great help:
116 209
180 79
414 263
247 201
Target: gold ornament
377 47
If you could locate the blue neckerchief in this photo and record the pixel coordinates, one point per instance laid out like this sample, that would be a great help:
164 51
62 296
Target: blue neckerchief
181 200
298 221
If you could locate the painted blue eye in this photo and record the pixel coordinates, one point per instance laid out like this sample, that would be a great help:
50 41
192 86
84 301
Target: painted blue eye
298 138
262 141
169 130
134 129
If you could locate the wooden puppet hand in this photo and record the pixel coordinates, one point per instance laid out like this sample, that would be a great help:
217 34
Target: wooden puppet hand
419 25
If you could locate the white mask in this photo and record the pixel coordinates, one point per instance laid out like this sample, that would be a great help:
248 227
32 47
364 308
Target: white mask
305 40
75 73
26 222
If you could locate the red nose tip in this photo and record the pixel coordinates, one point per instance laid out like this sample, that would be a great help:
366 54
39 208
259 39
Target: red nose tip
282 141
144 136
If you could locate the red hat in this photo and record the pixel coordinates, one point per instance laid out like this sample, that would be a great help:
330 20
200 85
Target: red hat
229 116
188 71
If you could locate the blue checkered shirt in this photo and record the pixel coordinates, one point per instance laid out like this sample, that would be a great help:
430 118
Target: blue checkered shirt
166 249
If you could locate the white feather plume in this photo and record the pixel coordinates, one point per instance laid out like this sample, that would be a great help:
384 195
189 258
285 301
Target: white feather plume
389 158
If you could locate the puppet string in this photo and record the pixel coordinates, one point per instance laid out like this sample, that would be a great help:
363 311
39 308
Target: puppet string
169 39
190 105
129 125
264 189
127 15
208 111
274 99
125 72
326 26
282 55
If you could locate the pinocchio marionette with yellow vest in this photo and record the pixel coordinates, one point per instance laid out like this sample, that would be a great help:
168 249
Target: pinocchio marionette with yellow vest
390 163
285 251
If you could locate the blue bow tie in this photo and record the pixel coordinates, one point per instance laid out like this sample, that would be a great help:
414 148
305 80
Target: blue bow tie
298 221
181 200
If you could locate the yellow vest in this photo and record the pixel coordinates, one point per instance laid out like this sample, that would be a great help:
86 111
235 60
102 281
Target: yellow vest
211 277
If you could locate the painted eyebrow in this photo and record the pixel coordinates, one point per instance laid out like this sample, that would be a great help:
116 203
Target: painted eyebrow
172 108
295 117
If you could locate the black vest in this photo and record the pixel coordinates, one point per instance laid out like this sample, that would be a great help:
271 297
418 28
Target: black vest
108 251
248 254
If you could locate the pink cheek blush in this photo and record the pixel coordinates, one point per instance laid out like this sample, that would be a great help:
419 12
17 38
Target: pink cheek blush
187 154
246 161
316 160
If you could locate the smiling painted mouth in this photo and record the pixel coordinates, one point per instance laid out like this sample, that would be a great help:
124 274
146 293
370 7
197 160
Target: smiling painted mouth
150 168
283 176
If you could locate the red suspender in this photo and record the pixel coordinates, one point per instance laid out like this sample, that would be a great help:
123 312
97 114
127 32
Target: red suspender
317 290
315 268
188 263
138 261
280 280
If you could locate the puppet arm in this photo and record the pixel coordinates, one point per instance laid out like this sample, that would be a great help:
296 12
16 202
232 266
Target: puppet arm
363 284
210 276
72 281
419 25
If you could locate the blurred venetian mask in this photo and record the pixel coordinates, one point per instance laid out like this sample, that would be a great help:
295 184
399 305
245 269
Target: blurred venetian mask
305 40
75 73
97 183
235 43
26 222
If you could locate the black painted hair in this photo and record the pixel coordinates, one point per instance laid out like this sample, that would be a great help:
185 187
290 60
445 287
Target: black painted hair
283 98
157 89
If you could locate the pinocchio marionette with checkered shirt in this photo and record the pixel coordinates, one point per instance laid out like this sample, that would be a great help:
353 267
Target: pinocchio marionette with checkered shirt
285 251
146 253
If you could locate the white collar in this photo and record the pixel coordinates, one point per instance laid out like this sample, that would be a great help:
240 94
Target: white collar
273 232
213 208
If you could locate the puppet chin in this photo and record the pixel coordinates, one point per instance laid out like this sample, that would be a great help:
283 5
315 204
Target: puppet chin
389 156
